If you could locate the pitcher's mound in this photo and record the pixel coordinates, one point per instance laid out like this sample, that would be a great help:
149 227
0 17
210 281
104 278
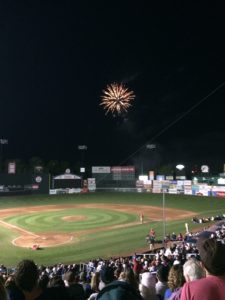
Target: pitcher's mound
74 218
43 240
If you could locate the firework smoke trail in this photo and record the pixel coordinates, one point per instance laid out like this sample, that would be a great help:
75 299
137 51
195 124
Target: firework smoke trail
116 98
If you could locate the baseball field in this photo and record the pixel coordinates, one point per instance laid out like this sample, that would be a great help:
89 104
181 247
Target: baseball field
79 227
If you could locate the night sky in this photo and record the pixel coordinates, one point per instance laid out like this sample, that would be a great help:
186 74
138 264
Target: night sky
57 56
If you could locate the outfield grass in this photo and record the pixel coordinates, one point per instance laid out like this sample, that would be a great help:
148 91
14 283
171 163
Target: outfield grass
104 244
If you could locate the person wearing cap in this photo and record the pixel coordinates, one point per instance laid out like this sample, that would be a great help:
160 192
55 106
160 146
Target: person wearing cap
211 287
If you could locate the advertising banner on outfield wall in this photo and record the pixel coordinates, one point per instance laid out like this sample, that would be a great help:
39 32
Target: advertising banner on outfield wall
218 191
151 175
12 167
101 170
91 184
124 169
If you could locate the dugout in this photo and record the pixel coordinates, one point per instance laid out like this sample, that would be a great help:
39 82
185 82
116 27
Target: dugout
67 181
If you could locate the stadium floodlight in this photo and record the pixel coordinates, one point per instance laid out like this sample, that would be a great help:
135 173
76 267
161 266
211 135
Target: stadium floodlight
180 167
147 147
150 146
3 141
82 147
205 169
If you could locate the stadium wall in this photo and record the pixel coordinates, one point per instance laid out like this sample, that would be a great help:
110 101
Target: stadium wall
25 183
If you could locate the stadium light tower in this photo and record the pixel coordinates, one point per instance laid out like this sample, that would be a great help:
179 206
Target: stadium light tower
164 188
147 147
82 149
180 171
2 143
164 216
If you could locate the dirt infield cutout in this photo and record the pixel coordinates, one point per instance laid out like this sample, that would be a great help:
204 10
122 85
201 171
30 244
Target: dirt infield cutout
28 239
74 218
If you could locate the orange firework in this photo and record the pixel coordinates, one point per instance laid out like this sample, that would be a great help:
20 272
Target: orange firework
116 98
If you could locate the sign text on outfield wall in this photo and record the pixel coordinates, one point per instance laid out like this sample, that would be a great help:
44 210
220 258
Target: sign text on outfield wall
11 167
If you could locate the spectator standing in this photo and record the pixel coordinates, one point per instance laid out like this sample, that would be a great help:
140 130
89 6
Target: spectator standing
106 276
162 277
86 284
211 287
26 279
75 290
95 281
137 266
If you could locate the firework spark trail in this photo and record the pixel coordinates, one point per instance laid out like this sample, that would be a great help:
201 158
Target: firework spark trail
116 98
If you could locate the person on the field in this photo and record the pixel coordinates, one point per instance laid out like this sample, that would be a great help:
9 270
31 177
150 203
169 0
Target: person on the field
152 232
141 218
152 239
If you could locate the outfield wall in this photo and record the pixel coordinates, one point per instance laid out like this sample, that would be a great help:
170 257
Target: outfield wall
24 184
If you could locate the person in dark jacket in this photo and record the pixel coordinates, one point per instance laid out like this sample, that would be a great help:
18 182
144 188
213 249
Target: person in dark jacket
27 285
119 290
75 290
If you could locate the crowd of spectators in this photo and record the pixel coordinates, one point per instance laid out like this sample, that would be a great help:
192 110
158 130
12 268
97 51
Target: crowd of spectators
208 219
181 270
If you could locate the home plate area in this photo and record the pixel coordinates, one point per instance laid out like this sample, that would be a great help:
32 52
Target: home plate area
42 241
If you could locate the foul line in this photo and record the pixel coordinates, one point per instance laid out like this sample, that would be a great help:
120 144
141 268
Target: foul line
10 226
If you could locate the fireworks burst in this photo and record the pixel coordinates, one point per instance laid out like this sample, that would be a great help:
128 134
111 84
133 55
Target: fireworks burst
116 98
